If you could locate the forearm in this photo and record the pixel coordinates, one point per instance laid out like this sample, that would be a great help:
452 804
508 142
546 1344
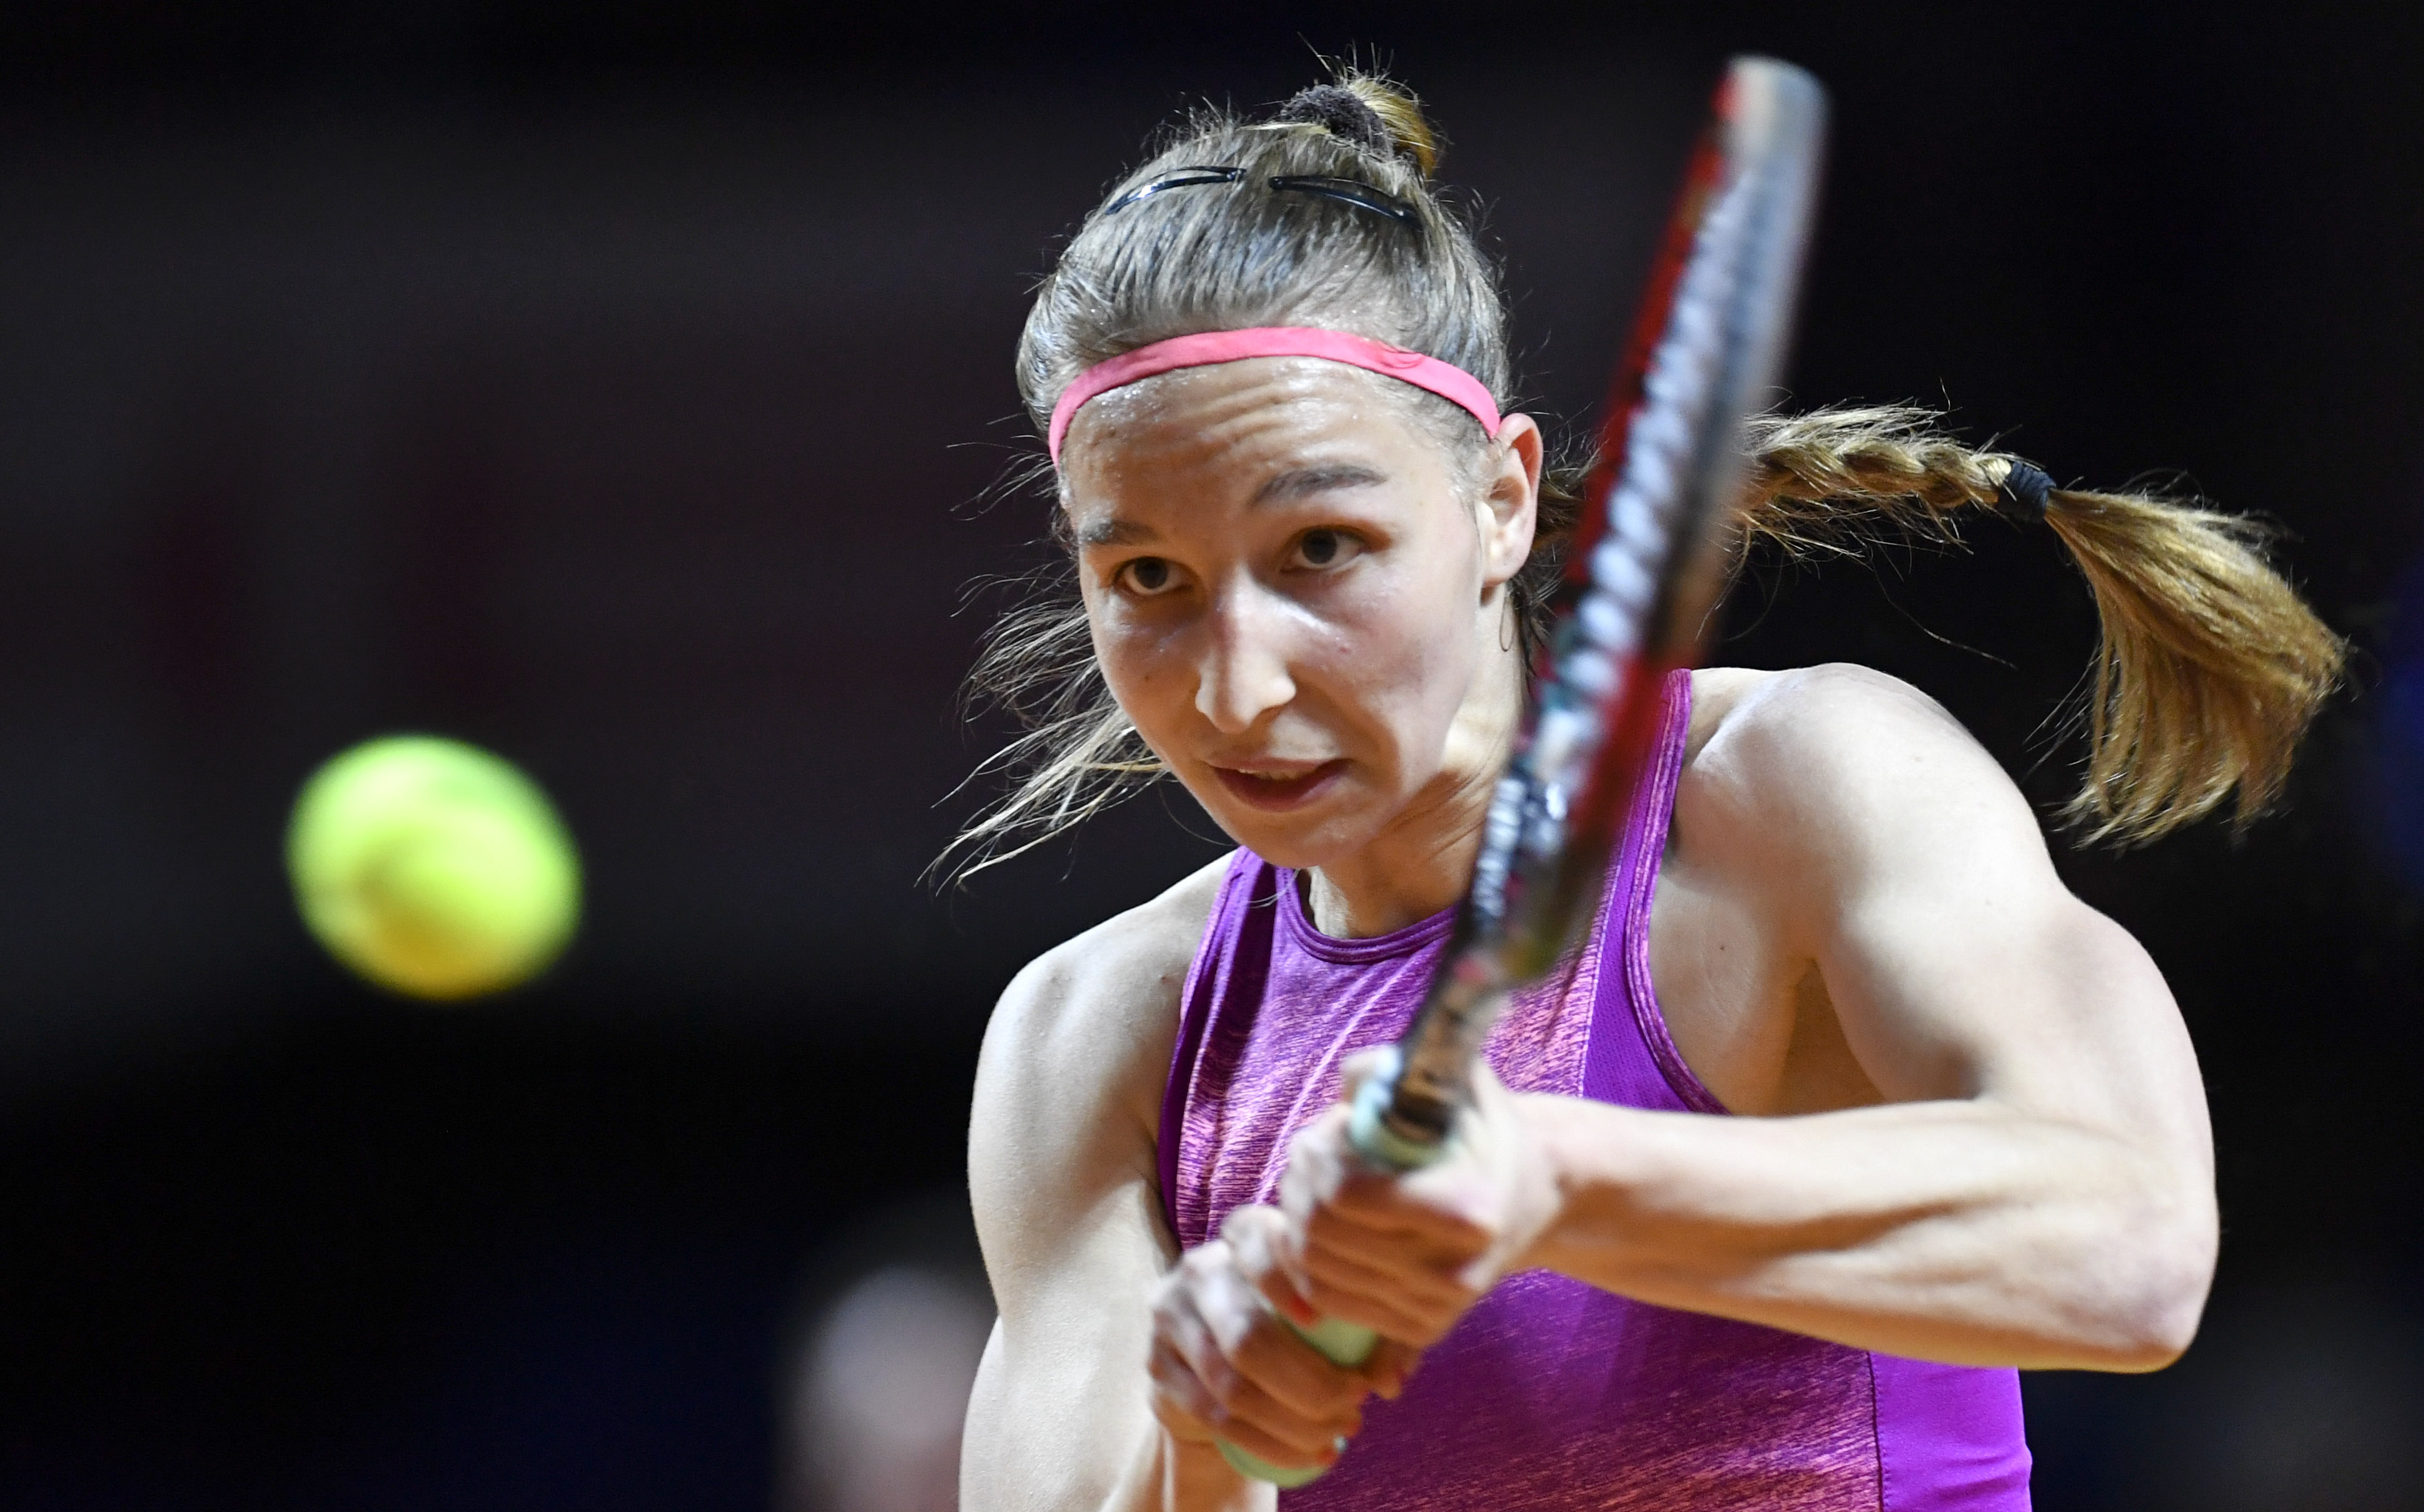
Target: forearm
1958 1231
1065 1437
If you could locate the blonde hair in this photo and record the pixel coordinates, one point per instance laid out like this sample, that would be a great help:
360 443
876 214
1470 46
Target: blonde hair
2209 669
1146 267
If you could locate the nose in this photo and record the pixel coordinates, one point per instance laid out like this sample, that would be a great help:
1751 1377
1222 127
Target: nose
1244 675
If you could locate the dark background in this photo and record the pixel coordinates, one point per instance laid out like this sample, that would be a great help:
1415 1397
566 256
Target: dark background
614 384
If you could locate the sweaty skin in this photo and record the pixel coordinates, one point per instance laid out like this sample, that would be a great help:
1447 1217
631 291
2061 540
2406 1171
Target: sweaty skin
1976 1132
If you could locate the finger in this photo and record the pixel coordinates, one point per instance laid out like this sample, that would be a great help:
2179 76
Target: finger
1380 1302
1236 1409
1263 1244
1252 1364
1443 1249
1396 1284
1325 1178
1301 1378
1320 1160
1391 1366
1390 1319
1191 1412
1277 1360
1304 1378
1378 1213
1418 1289
1181 1401
1400 1207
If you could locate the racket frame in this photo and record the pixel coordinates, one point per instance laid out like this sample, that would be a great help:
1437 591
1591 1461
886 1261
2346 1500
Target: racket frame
1648 562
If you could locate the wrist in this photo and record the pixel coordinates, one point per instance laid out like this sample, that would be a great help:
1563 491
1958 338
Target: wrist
1583 1169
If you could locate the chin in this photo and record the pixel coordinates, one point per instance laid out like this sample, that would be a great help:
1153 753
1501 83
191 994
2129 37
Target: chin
1299 842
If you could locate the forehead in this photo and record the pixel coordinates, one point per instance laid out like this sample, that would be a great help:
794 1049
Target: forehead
1233 422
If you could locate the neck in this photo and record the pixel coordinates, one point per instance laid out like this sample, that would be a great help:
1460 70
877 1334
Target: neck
1423 860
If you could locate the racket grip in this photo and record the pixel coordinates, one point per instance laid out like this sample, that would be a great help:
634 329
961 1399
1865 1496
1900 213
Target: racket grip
1341 1342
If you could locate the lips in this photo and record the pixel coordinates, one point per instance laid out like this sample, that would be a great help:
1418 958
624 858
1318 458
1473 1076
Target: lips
1276 788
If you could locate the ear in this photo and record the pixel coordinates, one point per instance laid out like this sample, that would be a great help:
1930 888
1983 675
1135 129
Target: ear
1508 508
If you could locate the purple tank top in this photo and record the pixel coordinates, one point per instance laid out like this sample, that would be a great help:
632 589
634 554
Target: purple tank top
1551 1394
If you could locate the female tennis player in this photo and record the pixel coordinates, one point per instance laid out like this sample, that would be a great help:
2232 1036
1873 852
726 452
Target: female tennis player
1843 1110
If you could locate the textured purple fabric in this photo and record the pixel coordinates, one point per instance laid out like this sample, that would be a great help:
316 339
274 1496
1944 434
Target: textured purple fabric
1551 1394
1948 1440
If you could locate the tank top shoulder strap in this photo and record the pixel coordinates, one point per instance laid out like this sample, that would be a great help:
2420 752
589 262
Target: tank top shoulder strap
1631 1059
1237 944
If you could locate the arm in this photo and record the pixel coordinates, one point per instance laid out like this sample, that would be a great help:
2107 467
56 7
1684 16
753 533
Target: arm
1116 1360
2036 1188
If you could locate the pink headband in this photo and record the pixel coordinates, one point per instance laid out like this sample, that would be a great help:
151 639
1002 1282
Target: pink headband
1451 383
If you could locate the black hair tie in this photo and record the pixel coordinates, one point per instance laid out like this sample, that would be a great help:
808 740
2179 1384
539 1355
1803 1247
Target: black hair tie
2025 490
1344 114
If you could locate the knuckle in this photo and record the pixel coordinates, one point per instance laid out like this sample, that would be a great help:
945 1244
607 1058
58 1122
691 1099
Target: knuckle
1204 1259
1254 1254
1318 1139
1467 1232
1240 1310
1234 1325
1259 1218
1169 1300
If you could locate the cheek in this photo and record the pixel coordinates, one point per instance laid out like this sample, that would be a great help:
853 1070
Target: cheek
1409 660
1140 664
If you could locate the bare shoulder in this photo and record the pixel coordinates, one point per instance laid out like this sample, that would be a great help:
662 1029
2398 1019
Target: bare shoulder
1842 762
1114 989
1837 707
1069 1085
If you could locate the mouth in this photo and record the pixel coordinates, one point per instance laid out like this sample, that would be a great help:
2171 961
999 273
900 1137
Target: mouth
1276 787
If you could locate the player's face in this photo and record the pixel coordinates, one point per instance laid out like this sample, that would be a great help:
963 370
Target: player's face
1293 598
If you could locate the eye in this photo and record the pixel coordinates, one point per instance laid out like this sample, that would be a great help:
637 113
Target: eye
1326 548
1145 576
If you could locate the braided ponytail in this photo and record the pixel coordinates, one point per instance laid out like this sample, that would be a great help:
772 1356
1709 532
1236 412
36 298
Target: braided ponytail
2211 668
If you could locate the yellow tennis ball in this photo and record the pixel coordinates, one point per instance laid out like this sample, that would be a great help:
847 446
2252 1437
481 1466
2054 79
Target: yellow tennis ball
433 867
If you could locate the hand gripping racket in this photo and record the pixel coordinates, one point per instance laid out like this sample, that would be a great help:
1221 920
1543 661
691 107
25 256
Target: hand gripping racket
1648 565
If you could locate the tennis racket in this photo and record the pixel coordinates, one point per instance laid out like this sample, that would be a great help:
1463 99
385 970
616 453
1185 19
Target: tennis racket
1647 567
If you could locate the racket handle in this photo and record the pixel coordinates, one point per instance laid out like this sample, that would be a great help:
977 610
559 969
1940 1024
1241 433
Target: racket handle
1341 1342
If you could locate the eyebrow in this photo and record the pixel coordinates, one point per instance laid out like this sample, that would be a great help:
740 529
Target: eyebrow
1115 532
1296 483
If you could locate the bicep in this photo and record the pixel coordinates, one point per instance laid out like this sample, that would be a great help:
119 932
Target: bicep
1959 964
1983 981
1061 1178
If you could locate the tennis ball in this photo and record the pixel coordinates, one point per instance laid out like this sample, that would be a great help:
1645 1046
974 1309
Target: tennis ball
433 867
